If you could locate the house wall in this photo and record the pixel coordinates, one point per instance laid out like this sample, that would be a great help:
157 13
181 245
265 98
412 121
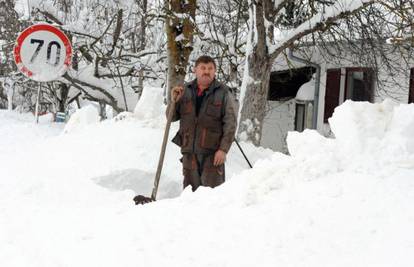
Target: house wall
281 116
279 120
397 90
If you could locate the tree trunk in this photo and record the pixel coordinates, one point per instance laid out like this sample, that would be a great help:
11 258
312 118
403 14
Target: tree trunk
180 31
256 84
102 110
255 97
142 44
10 93
62 101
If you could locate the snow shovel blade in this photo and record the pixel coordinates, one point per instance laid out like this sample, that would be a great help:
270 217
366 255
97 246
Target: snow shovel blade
139 199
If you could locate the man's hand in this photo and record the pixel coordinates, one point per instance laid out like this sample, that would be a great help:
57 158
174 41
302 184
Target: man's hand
176 93
219 158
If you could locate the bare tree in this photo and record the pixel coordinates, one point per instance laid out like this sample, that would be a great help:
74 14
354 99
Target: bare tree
112 55
179 24
378 36
222 33
265 45
10 27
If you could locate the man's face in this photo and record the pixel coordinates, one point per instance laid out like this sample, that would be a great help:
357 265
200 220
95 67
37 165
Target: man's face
205 73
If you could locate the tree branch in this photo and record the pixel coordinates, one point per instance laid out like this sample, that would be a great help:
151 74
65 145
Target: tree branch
317 27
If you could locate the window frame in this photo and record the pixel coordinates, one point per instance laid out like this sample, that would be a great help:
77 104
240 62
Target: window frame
336 87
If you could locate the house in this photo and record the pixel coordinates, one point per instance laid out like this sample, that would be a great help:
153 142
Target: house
292 87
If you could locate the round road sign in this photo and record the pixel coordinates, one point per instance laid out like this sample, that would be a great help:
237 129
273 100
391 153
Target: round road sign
43 52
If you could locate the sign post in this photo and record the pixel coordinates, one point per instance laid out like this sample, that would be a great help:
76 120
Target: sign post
37 103
8 84
43 53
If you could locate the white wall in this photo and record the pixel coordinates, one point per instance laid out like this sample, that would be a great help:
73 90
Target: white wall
279 120
281 116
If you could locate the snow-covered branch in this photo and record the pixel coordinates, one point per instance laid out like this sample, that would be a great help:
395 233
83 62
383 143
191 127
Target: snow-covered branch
319 22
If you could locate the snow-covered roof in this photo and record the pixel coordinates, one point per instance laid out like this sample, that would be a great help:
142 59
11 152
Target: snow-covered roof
306 91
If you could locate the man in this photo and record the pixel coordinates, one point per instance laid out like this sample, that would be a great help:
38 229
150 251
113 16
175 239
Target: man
206 110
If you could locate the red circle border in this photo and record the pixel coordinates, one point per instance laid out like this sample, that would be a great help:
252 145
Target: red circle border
35 28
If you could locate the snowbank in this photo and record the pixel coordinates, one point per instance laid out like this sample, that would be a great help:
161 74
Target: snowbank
150 109
47 118
334 202
82 117
150 105
367 136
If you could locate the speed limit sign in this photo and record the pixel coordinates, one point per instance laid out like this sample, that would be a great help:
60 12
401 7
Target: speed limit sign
43 52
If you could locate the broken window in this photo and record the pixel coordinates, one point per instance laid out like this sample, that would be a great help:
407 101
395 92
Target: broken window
284 85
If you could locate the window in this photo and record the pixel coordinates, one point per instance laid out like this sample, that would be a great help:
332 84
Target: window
285 84
359 84
300 117
303 115
347 83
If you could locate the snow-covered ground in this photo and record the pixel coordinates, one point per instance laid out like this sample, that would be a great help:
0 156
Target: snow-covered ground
66 195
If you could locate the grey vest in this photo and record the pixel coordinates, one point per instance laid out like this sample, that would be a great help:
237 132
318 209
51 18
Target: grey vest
202 134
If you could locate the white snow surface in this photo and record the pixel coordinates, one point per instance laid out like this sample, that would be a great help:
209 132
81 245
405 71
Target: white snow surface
150 108
66 198
82 117
307 91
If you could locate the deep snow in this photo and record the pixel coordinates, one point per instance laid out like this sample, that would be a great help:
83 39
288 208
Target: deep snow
66 197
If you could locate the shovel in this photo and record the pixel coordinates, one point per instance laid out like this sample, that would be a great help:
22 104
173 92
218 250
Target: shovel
140 199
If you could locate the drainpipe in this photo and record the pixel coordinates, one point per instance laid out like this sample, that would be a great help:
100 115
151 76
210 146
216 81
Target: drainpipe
317 83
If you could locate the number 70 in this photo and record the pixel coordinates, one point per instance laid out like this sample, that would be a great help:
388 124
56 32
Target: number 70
49 51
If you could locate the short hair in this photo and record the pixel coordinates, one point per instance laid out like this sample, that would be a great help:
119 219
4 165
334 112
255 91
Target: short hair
205 59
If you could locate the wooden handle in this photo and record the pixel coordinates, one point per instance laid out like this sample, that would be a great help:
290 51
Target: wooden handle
162 153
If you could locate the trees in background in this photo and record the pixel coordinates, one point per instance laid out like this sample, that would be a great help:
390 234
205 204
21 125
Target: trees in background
179 26
114 48
216 28
10 26
379 36
222 32
275 26
121 45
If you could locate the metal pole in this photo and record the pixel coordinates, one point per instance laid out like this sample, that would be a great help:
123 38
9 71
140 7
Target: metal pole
244 155
37 103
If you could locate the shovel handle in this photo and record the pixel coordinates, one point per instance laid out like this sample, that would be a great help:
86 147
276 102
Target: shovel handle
162 153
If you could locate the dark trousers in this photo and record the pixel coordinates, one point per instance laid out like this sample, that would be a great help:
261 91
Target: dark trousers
198 169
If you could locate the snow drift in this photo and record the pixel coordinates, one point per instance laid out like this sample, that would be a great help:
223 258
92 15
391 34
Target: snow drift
82 117
332 202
